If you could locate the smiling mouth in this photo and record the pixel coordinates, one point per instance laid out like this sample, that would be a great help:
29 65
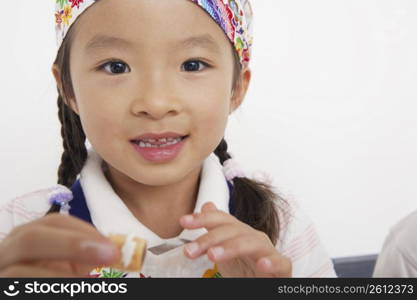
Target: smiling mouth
158 143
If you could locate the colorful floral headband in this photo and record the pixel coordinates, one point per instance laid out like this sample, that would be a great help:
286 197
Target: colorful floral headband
233 16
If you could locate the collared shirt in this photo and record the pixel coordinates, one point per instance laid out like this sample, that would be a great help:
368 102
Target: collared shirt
298 239
112 216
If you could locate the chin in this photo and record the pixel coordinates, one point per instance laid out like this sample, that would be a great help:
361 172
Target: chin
155 181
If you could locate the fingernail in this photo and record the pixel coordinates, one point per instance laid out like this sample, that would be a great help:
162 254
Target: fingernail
192 248
188 219
213 206
217 252
266 263
105 252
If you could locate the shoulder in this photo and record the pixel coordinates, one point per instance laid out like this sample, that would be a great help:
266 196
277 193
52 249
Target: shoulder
299 241
406 227
398 257
402 236
23 209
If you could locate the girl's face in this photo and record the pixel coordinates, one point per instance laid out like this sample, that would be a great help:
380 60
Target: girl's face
149 66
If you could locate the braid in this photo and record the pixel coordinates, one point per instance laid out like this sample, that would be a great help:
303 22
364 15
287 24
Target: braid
75 152
221 151
254 200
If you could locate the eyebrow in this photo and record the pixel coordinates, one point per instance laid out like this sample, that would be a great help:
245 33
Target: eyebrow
203 41
102 41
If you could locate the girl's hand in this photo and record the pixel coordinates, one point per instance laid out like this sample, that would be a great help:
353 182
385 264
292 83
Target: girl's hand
236 248
54 246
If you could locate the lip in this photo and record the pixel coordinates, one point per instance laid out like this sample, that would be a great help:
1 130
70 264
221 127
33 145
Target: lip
158 136
160 154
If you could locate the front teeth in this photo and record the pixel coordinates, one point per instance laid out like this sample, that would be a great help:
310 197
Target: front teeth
146 143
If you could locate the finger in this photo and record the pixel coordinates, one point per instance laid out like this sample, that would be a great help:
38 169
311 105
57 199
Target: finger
247 245
70 223
62 221
208 220
22 270
46 243
209 206
211 239
82 270
275 265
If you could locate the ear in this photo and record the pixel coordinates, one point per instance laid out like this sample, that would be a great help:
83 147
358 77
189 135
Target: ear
70 102
240 90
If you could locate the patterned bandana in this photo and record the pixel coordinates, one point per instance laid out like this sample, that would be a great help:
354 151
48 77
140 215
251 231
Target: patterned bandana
233 16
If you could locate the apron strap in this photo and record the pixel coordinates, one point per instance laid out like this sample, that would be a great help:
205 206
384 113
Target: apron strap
232 204
78 204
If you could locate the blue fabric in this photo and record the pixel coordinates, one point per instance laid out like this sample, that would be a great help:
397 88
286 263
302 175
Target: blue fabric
232 205
79 205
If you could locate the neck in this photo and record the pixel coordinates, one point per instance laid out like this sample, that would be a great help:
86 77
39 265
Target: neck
157 207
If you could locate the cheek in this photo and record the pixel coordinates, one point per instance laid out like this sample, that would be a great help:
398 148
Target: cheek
210 117
100 118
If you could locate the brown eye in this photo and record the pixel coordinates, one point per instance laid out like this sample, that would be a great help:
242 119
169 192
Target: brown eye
194 66
115 67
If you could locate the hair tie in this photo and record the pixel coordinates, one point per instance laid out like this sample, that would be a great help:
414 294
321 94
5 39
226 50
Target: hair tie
61 196
231 169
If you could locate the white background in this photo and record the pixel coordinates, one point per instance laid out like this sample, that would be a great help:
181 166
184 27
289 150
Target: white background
331 112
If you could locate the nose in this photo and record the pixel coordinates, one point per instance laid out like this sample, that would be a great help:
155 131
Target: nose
155 99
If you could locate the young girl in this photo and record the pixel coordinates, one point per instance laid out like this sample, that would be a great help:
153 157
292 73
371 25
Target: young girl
151 85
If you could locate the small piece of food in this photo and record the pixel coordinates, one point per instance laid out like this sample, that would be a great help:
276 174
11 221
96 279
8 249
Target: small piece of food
133 250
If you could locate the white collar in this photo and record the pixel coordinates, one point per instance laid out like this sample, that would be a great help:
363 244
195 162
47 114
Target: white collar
110 215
